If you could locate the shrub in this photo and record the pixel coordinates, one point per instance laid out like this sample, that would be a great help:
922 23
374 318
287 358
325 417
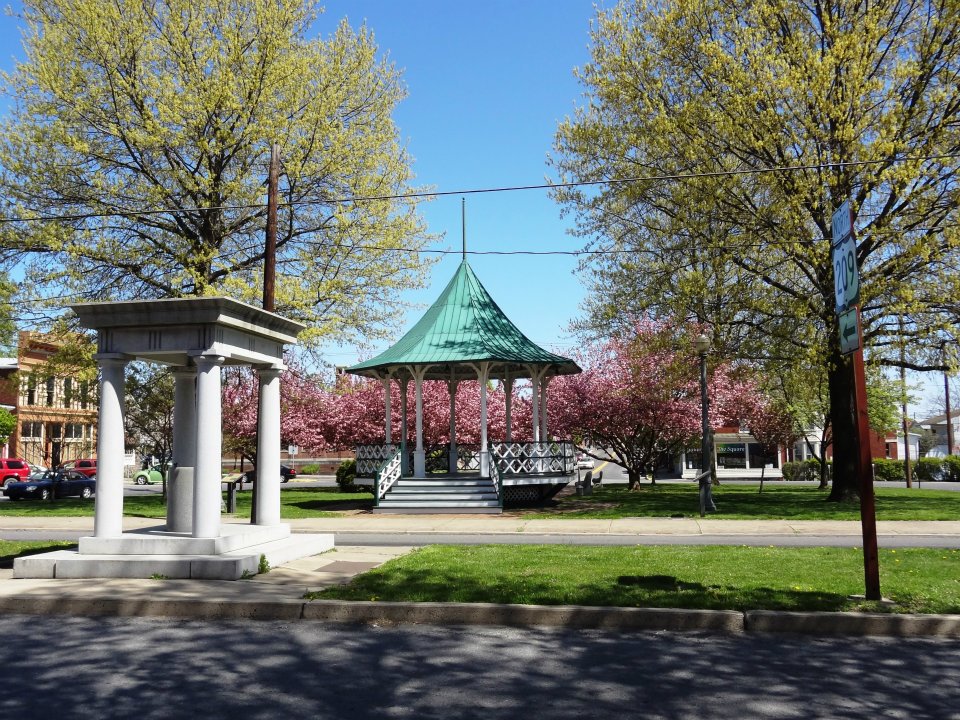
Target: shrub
346 474
951 468
808 470
310 469
928 469
889 470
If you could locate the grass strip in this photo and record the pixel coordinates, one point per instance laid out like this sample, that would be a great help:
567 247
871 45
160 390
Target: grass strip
743 502
11 549
710 577
735 502
294 503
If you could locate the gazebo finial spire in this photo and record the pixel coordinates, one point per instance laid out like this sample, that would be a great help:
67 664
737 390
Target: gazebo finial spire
463 225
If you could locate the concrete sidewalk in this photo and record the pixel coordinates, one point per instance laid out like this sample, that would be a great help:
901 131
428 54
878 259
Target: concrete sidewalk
507 524
278 595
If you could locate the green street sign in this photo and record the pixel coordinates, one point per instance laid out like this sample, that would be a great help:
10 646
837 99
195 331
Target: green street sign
849 323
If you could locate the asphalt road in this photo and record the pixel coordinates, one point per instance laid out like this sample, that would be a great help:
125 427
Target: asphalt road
104 668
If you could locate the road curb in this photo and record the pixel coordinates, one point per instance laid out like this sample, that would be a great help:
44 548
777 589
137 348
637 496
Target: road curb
493 614
845 623
574 616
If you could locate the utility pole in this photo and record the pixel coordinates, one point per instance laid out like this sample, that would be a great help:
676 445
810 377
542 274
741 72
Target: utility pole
908 471
946 397
269 278
270 250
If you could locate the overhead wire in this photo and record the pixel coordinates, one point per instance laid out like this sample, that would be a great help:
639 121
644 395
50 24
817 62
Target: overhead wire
671 177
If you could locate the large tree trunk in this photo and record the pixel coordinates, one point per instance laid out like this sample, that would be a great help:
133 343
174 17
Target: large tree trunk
840 376
633 478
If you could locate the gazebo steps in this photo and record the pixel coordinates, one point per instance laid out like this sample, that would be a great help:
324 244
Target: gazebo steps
441 510
441 482
441 494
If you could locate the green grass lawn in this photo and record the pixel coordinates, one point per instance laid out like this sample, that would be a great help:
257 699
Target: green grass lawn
743 502
10 549
294 503
713 577
735 502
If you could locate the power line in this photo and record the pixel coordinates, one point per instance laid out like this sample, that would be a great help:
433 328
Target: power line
675 177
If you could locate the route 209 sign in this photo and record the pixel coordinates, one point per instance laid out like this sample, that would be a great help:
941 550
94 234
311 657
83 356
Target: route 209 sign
846 276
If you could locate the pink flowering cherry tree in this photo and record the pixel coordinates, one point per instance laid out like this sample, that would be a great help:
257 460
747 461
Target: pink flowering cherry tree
639 399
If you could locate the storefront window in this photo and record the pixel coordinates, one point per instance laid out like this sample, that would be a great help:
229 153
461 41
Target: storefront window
731 456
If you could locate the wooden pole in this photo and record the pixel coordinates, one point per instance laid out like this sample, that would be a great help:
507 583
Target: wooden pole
907 469
946 396
868 512
270 250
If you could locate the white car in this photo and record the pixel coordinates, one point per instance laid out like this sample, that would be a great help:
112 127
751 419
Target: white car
585 463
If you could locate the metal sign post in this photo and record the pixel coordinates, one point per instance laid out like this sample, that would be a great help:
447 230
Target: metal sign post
846 277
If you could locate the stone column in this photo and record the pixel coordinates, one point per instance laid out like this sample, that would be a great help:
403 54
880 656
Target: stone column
108 508
268 448
184 455
207 495
452 387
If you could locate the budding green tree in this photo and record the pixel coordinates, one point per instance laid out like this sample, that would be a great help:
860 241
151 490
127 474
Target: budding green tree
135 155
752 122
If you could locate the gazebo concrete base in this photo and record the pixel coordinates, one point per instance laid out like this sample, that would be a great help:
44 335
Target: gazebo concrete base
157 552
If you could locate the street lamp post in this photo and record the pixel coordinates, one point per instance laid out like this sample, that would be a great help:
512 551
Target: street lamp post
702 344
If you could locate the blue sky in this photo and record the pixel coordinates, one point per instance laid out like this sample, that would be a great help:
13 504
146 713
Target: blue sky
488 83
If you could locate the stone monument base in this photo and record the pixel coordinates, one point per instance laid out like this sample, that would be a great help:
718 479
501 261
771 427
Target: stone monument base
158 552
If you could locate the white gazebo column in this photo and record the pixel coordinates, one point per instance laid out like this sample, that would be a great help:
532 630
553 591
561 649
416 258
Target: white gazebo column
268 448
419 456
108 508
544 436
453 456
508 407
207 473
387 434
483 374
184 451
535 375
404 463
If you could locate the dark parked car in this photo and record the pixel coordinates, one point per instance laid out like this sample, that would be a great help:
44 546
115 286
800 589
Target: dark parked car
87 466
286 473
53 484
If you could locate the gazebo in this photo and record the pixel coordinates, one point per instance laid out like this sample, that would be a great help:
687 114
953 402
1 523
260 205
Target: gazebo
464 335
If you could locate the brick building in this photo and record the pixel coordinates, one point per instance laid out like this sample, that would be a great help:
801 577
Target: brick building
56 416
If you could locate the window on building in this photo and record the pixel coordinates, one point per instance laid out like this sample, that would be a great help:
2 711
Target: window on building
731 455
51 390
761 456
56 430
73 431
692 460
67 391
31 390
31 429
84 393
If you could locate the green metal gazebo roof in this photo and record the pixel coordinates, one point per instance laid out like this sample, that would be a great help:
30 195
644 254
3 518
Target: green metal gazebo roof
463 327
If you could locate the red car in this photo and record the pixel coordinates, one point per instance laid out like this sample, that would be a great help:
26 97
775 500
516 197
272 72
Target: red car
13 470
87 466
